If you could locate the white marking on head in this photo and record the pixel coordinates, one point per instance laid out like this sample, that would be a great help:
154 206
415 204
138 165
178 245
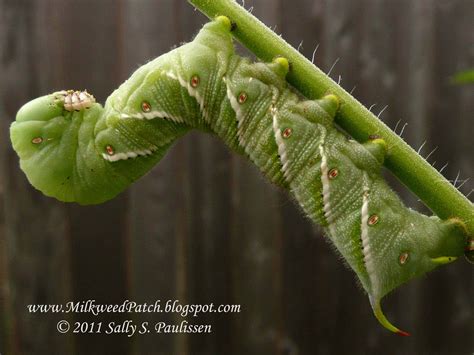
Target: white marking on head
76 105
75 100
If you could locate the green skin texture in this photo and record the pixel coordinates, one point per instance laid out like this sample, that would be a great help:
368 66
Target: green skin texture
251 108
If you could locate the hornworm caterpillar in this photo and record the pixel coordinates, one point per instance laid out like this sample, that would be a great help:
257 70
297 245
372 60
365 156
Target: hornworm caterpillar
73 149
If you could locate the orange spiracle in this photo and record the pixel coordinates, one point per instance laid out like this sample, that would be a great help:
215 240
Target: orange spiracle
76 100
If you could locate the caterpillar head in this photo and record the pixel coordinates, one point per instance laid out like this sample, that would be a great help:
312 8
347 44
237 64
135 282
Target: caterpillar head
75 150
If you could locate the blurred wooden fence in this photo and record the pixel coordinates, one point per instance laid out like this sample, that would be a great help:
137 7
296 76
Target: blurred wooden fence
204 226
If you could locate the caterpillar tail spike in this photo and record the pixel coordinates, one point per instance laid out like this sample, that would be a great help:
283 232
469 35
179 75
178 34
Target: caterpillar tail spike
376 307
74 149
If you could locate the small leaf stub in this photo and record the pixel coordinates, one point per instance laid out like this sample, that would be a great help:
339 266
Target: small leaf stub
37 140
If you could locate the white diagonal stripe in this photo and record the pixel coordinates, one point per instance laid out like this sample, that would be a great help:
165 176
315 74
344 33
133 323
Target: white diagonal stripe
280 143
325 182
126 155
193 92
238 112
152 115
368 258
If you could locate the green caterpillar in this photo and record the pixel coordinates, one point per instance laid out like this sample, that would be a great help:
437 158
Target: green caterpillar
73 149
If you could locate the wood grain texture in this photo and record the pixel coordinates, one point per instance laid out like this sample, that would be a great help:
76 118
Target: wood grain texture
204 226
35 247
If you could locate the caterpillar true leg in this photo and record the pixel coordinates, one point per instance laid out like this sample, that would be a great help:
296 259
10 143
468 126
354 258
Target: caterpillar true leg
74 149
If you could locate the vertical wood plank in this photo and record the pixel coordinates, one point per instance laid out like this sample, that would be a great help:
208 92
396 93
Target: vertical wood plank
450 127
256 245
208 237
159 222
315 281
4 281
5 314
35 243
84 52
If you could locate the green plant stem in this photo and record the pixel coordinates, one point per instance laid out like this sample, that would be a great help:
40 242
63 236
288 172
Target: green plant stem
409 167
